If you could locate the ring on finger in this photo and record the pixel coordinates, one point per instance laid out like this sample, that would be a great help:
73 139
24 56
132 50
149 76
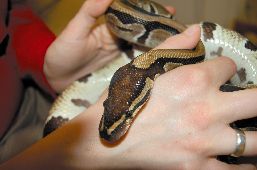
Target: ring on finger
240 143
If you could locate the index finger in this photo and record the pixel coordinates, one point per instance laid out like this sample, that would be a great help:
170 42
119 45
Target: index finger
186 40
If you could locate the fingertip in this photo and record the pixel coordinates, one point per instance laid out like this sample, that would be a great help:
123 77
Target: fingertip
229 62
171 9
193 30
95 8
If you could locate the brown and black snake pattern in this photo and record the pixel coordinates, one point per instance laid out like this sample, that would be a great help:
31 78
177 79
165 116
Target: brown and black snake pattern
146 23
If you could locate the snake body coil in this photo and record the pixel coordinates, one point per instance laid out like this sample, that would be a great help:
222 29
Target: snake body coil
148 24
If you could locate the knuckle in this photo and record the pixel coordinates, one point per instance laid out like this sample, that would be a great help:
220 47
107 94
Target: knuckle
202 118
229 63
201 74
197 76
187 78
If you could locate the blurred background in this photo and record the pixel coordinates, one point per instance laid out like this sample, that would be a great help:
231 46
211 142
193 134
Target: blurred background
240 15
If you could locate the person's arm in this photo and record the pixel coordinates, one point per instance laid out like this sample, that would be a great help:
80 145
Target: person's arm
184 125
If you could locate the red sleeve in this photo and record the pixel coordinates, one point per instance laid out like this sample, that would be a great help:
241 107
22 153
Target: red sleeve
30 40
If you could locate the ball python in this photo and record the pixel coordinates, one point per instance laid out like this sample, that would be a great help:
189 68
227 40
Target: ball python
146 23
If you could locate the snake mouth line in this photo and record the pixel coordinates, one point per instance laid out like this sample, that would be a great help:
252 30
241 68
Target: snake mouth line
124 29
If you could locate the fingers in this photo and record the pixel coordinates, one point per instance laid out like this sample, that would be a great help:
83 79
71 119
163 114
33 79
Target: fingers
223 142
213 73
220 70
80 26
94 8
238 105
250 146
186 40
213 164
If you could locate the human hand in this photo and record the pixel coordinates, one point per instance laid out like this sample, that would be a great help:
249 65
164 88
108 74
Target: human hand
184 125
190 116
82 47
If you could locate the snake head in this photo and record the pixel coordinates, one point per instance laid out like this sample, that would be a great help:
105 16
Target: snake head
116 118
112 129
128 91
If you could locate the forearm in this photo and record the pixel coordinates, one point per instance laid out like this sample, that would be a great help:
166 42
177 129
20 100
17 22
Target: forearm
46 154
74 146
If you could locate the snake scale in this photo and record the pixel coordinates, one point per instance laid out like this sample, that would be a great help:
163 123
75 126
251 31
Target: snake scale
147 24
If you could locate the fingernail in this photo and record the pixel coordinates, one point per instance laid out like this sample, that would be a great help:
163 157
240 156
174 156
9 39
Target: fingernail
191 30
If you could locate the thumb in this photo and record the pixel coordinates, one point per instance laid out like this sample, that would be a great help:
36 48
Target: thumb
186 40
80 26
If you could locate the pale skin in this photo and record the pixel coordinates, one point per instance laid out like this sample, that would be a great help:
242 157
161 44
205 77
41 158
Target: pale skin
184 125
83 45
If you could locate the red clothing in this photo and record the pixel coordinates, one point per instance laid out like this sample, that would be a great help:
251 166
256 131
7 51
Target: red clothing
23 42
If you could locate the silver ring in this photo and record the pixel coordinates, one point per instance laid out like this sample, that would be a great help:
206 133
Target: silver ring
240 143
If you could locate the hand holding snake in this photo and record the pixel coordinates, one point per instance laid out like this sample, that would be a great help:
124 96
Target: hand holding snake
115 124
163 136
84 46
